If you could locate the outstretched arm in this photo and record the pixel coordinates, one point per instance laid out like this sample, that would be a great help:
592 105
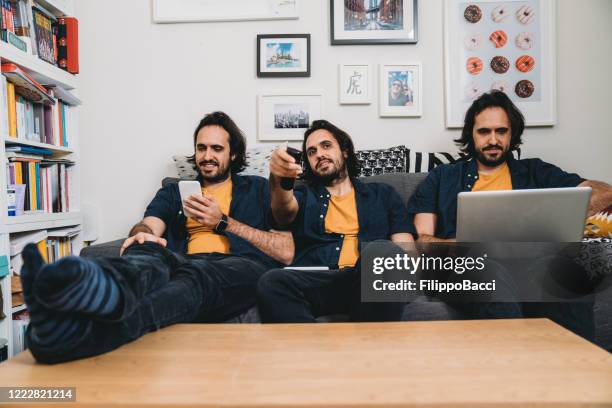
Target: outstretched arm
283 203
601 196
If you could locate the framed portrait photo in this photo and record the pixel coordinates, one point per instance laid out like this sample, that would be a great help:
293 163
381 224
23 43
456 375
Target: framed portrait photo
400 90
354 86
507 46
283 55
285 115
355 22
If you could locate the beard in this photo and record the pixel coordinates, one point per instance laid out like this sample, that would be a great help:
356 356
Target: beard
483 159
332 174
221 173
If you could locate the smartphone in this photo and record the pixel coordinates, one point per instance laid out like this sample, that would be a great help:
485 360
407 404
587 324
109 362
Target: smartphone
188 188
286 182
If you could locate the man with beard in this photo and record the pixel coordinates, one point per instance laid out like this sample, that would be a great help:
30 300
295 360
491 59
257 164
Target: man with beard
174 269
329 216
493 129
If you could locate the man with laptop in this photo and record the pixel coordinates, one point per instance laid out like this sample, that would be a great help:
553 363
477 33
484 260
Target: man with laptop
493 129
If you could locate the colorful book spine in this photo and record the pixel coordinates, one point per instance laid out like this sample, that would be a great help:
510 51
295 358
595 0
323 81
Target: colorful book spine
12 110
68 44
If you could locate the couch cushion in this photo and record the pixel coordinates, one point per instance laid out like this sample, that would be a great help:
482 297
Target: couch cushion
404 184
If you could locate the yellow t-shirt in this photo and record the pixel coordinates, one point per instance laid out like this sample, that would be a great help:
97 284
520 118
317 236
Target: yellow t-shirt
203 240
342 219
498 180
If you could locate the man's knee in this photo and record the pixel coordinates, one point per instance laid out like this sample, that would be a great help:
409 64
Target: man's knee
271 281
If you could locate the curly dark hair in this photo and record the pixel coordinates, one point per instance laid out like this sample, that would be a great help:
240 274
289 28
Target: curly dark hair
495 99
237 141
346 146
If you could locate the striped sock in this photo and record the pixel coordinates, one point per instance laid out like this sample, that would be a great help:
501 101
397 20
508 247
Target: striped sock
47 328
75 284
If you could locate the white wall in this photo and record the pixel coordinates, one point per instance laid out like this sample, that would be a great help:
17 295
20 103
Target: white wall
145 86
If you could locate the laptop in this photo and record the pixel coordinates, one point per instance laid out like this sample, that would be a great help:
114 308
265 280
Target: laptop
541 215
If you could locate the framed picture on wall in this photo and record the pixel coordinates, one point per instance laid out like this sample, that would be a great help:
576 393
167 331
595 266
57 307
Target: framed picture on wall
285 115
400 90
283 55
355 22
506 45
190 11
354 84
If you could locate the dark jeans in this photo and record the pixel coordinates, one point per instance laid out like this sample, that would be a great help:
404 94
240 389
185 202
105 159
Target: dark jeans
160 288
292 296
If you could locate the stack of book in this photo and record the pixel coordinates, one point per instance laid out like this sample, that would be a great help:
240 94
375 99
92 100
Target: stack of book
31 28
47 184
33 112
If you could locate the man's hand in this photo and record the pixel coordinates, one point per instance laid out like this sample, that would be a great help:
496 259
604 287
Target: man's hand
204 210
141 237
283 165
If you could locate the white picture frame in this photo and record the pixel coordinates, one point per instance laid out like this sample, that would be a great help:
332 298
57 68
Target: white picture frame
400 90
462 87
191 11
354 84
285 115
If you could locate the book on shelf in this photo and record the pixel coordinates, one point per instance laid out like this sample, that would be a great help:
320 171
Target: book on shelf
20 324
45 35
68 44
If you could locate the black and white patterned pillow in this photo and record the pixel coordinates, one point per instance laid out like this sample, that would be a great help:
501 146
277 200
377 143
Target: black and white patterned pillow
382 161
258 161
185 167
422 162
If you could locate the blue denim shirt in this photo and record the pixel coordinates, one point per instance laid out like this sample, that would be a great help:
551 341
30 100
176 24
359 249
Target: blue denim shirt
249 205
380 213
438 192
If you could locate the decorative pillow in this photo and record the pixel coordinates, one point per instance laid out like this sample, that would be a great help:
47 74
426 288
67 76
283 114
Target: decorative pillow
420 162
258 161
599 225
375 162
185 167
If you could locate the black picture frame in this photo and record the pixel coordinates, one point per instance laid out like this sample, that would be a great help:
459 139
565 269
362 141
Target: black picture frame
289 74
376 41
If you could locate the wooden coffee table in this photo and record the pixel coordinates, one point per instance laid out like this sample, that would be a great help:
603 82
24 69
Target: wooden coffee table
456 363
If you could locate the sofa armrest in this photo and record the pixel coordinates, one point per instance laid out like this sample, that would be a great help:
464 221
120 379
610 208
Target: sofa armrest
111 248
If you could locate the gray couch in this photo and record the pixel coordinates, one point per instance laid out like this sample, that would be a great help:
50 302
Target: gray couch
423 308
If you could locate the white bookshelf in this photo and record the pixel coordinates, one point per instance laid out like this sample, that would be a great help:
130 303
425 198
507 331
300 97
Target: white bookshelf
46 74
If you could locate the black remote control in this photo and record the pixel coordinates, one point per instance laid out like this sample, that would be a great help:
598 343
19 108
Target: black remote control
287 183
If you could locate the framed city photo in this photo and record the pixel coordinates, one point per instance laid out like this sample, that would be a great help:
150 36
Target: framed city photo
354 84
401 90
355 22
508 46
283 55
286 115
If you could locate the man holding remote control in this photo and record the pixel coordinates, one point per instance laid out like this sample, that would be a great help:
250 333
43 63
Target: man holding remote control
329 216
174 269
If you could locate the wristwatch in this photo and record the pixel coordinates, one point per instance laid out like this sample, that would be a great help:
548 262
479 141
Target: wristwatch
221 225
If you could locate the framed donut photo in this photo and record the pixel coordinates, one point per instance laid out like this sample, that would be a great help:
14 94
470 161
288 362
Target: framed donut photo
501 45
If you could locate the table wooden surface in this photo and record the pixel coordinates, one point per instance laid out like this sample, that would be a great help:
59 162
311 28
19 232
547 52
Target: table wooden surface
454 363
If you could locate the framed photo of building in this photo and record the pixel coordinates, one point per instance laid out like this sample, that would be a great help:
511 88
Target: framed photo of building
354 84
192 11
285 115
400 90
283 55
507 46
355 22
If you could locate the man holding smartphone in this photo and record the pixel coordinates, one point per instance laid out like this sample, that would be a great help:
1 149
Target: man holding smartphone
329 216
174 269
